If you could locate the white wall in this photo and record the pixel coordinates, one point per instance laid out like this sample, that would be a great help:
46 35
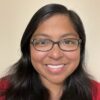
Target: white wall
15 15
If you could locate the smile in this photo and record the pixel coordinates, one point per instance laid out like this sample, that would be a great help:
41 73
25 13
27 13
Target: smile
55 66
55 69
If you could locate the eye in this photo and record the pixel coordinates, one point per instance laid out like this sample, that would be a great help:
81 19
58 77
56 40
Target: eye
41 42
70 41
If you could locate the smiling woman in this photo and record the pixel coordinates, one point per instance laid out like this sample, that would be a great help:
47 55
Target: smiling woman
55 64
51 66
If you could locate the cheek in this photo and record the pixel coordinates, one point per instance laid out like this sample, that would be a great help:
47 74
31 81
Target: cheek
73 62
36 57
74 57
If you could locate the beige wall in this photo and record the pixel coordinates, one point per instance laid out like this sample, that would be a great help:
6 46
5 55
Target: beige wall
15 14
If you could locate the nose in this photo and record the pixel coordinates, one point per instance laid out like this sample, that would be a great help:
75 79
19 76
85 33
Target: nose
56 53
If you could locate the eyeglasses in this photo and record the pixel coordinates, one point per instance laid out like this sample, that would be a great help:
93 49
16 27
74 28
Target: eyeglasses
69 44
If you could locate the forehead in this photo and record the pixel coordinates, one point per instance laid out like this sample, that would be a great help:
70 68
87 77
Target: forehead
58 25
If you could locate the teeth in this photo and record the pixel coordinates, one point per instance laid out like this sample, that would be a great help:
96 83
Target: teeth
55 66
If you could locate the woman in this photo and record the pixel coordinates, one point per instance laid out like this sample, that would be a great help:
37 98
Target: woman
52 63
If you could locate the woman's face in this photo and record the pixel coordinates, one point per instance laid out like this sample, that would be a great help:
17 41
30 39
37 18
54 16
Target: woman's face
56 65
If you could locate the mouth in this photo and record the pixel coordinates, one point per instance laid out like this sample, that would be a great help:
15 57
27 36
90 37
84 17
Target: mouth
55 68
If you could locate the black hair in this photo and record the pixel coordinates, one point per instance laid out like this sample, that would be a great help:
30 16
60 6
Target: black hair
25 83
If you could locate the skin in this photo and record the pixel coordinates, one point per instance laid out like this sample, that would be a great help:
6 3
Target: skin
55 28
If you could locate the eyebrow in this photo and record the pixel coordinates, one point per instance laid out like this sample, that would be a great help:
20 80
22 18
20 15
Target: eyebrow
40 34
62 36
70 34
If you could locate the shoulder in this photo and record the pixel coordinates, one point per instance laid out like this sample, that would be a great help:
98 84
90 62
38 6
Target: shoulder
96 90
4 83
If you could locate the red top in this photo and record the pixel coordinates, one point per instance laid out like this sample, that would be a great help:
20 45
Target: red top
96 93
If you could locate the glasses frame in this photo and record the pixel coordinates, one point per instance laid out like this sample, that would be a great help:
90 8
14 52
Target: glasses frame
79 41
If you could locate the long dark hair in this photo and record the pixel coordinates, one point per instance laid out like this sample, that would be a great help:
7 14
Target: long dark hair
25 83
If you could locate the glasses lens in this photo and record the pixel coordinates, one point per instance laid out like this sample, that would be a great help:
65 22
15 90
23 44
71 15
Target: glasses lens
69 44
42 44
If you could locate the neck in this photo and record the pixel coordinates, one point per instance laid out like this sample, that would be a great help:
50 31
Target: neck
56 92
55 89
